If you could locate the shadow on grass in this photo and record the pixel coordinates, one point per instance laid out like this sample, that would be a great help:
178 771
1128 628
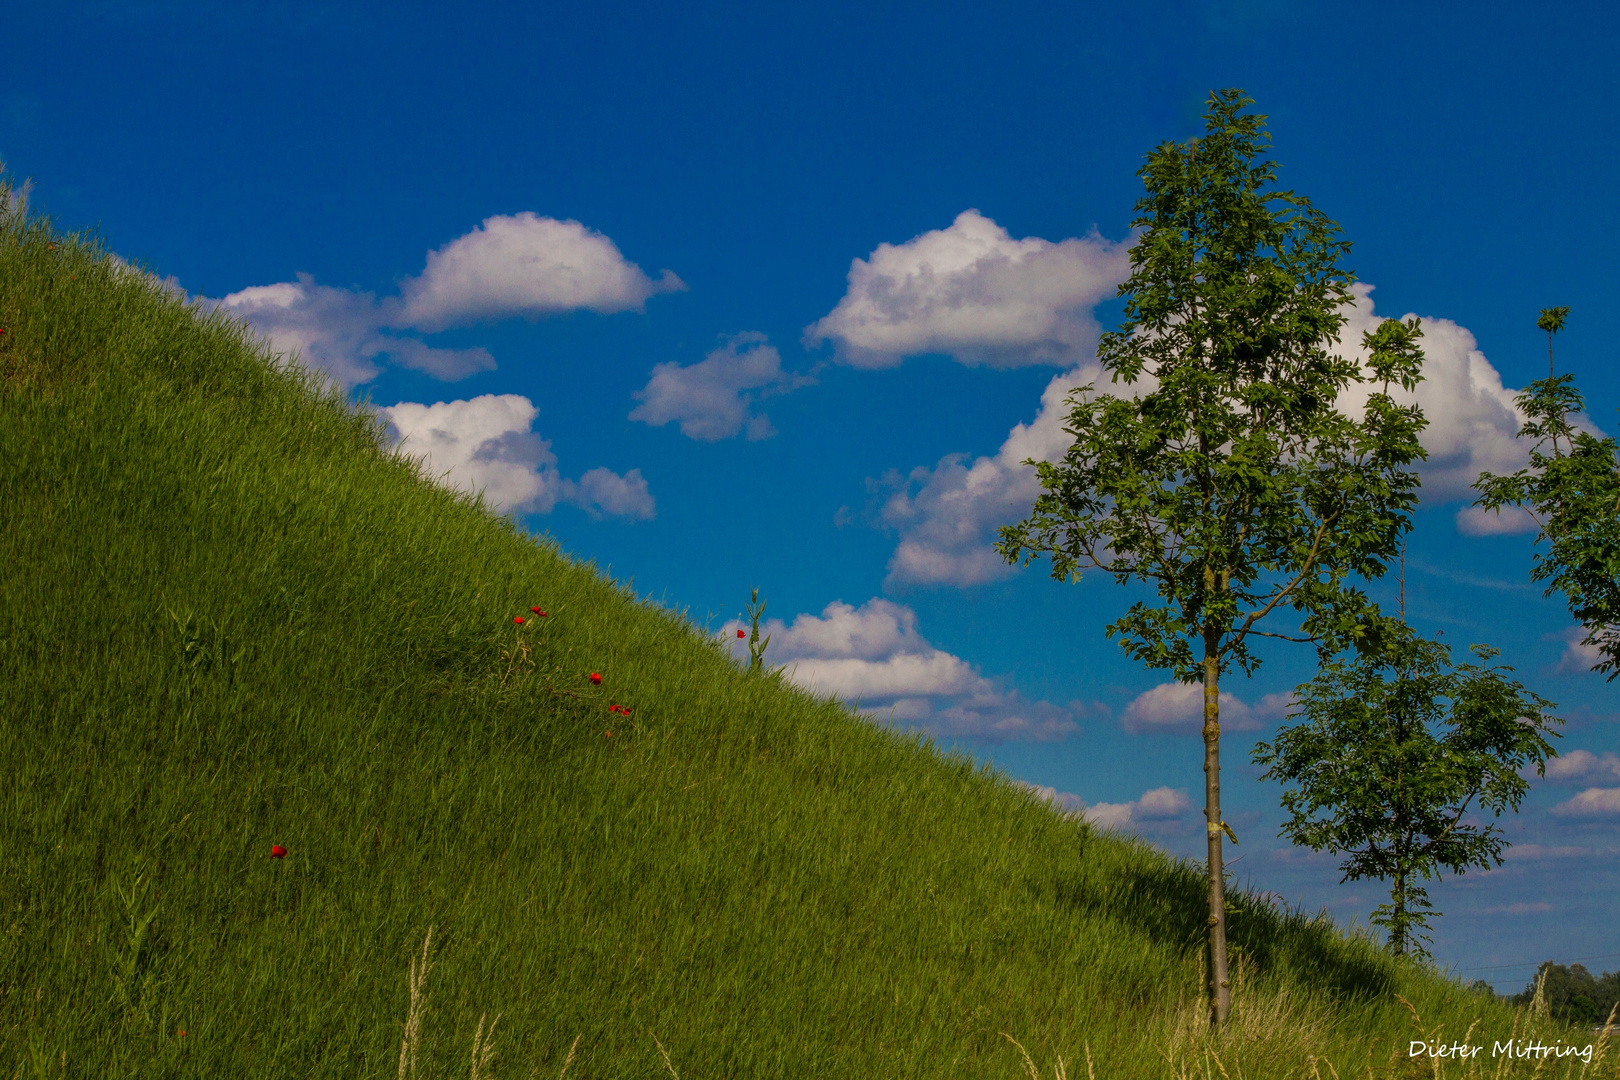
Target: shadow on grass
1168 902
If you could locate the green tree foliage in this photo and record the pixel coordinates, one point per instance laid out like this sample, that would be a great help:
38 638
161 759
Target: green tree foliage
1397 747
1230 482
1572 490
1573 994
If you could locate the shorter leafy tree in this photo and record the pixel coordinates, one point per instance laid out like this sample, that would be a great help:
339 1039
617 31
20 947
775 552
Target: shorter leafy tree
1572 491
1396 747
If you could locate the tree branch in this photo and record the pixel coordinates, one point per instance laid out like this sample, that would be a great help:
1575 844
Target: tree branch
1285 637
1310 563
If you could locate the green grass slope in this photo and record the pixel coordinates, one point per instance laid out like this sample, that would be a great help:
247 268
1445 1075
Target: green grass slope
230 618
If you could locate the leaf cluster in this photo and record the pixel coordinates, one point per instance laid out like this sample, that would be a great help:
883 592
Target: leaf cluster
1572 490
1230 481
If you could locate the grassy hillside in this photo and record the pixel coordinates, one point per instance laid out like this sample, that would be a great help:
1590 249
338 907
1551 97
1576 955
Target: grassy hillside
231 619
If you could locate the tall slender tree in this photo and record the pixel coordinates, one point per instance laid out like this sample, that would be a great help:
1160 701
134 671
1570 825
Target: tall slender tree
1571 489
1230 482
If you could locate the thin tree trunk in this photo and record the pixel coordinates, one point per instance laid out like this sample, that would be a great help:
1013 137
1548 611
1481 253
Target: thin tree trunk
1397 933
1220 990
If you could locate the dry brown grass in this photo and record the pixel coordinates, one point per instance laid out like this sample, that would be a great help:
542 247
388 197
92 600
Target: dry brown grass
1269 1023
483 1044
1060 1071
410 1043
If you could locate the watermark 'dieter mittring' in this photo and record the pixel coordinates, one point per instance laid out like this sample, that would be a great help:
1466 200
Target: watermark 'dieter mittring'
1512 1048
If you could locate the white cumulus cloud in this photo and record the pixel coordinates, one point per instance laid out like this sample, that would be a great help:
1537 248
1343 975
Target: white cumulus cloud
1178 708
1593 802
1540 852
524 264
946 515
1066 802
1578 656
601 492
1473 422
714 399
1576 766
1508 521
446 365
875 655
973 292
520 265
1155 805
331 330
486 444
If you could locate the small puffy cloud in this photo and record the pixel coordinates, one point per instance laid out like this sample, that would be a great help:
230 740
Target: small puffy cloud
1156 805
1542 852
527 265
714 399
874 655
339 333
947 516
1109 815
1508 521
486 444
170 284
1066 802
877 630
1593 802
446 365
604 493
973 292
1578 656
1275 706
909 675
521 265
1178 708
1161 803
332 330
1583 766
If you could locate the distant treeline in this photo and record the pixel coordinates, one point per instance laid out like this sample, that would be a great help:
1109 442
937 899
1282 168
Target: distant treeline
1574 994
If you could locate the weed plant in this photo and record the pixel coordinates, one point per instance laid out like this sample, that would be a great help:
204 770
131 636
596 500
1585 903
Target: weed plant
231 618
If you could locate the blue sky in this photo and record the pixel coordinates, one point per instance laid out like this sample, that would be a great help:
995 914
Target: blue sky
743 297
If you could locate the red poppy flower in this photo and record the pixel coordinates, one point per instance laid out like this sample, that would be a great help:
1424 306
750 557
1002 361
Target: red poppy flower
518 619
182 1033
595 677
537 611
742 633
624 710
613 708
277 851
607 734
